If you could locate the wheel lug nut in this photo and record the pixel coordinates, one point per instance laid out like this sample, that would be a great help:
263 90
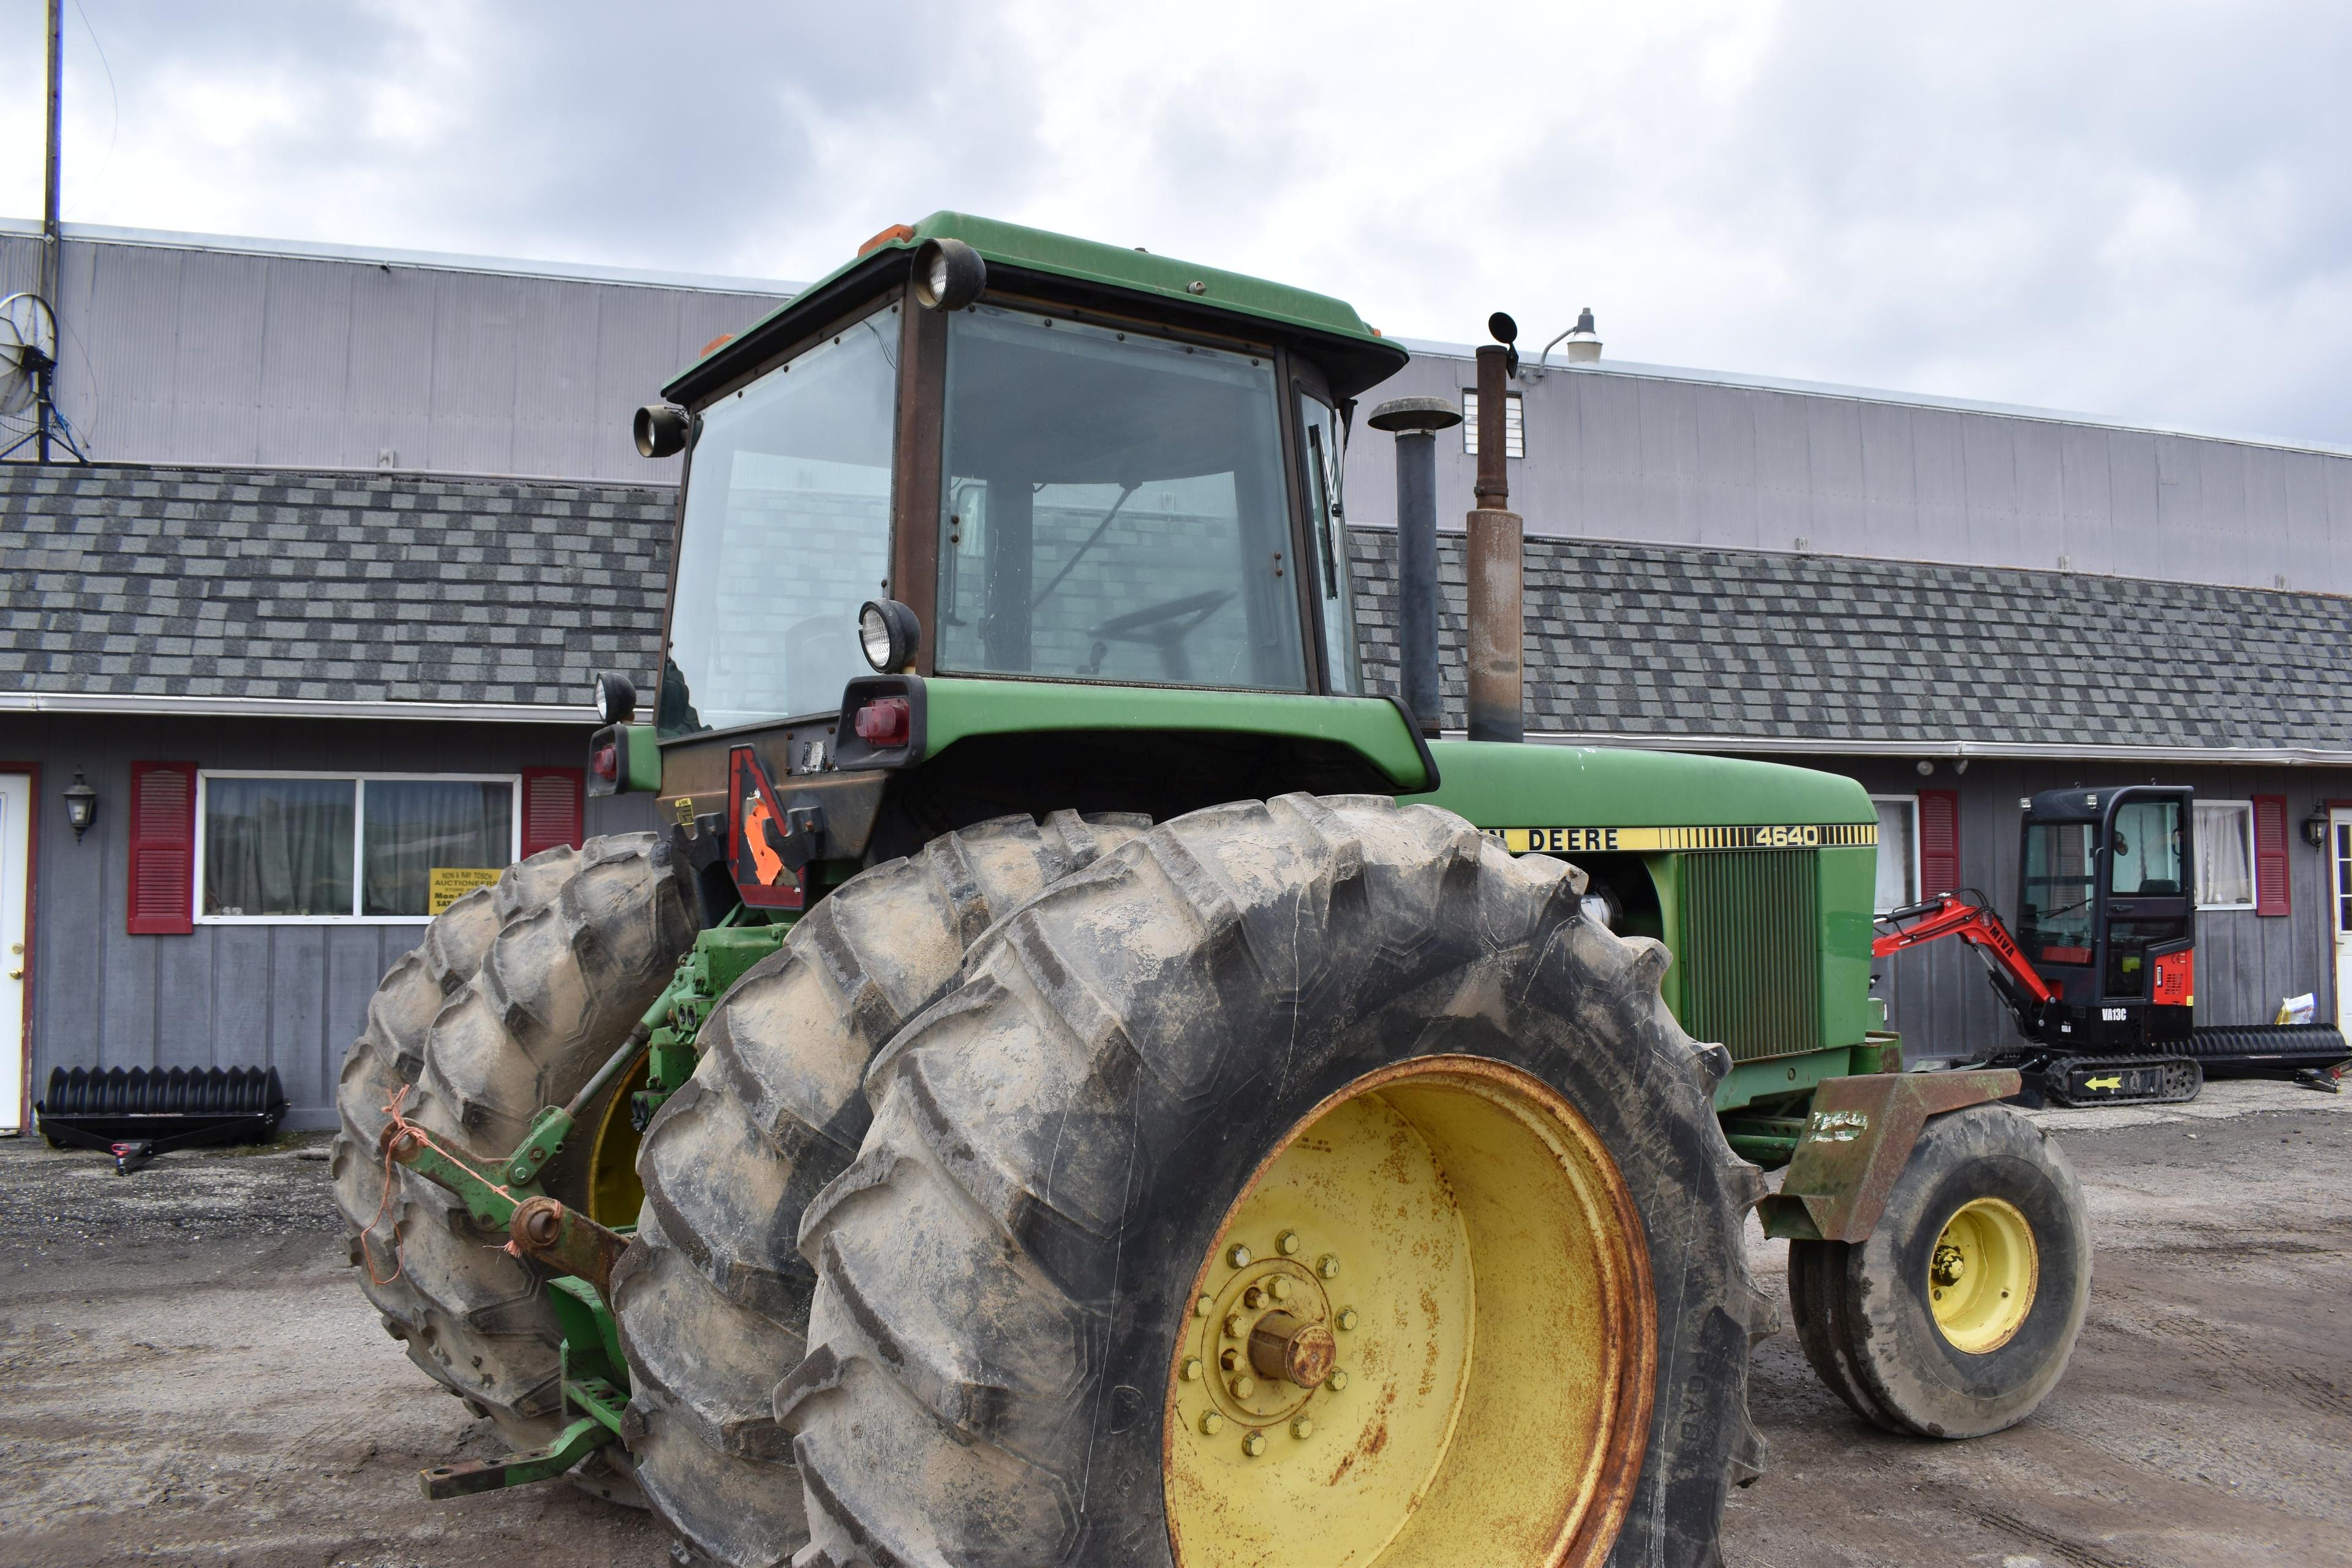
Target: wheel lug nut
1191 1369
1328 1266
1238 1255
1253 1297
1235 1326
1253 1444
1346 1318
1302 1427
1231 1359
1281 1287
1287 1243
1212 1424
1202 1306
1244 1386
1336 1381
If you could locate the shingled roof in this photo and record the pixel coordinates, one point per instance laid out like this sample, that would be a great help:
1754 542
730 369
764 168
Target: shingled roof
1723 645
136 580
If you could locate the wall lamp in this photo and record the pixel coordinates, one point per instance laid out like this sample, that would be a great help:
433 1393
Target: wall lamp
2314 831
81 805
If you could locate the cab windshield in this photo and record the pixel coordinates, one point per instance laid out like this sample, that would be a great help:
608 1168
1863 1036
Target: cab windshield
1114 510
787 531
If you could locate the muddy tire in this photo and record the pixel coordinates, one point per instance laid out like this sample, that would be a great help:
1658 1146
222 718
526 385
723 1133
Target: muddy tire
1008 1270
713 1298
585 940
390 1054
1914 1353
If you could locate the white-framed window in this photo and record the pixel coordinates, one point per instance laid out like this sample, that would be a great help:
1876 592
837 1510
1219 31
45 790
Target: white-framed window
2225 854
279 847
1898 851
1514 425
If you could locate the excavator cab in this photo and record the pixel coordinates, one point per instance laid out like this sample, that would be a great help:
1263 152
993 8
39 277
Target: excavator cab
2106 914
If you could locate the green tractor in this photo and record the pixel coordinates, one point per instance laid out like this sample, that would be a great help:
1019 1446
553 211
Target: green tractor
1081 1079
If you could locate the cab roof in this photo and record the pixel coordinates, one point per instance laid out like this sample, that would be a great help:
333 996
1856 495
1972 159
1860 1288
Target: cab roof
1353 355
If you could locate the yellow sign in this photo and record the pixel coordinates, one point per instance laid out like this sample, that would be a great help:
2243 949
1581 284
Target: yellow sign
2117 1081
1653 840
446 884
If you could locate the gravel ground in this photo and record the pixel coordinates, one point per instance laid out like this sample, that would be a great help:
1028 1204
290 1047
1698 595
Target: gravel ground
188 1376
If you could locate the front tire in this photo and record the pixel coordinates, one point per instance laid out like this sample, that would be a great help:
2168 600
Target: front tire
1067 1149
1956 1316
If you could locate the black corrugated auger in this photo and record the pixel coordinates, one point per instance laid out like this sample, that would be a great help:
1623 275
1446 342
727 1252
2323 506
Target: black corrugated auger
137 1113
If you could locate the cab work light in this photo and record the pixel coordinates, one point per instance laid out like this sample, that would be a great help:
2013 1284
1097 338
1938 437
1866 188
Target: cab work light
888 634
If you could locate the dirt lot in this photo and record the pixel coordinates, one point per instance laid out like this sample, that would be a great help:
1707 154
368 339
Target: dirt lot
187 1375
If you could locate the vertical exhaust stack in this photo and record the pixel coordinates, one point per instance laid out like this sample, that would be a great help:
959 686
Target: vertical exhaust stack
1415 422
1497 556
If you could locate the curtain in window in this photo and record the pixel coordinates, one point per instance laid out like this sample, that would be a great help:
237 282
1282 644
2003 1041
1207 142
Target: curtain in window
2224 873
1896 889
278 846
415 825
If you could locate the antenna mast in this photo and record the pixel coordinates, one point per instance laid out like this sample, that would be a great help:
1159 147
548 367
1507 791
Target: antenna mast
52 234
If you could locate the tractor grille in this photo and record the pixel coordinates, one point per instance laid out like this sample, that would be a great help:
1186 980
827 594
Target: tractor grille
1751 950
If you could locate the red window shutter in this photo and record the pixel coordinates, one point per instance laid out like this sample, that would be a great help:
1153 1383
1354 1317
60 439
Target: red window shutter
2269 856
1940 842
551 807
163 894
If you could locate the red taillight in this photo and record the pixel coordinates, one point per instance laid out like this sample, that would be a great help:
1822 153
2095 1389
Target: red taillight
885 722
607 763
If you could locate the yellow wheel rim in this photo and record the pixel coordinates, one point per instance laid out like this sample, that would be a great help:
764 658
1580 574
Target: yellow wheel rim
1982 1275
1426 1334
615 1194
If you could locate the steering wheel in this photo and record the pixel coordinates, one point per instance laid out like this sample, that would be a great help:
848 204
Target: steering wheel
1165 626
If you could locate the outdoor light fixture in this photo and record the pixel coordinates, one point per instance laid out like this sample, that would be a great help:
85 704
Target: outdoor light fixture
616 698
81 805
949 274
660 430
888 634
2314 831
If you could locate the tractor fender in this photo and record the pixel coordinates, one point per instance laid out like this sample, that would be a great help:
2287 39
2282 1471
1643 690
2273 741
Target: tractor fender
1856 1141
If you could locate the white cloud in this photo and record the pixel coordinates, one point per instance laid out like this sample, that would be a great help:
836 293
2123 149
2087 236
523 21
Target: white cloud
2143 210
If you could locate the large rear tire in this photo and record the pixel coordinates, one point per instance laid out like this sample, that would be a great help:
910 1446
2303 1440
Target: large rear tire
712 1298
1261 1018
585 940
1956 1316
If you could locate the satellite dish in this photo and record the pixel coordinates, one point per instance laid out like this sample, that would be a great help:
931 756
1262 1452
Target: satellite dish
28 347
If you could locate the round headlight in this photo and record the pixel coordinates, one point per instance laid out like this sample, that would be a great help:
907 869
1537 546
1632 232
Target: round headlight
874 637
888 634
949 274
616 698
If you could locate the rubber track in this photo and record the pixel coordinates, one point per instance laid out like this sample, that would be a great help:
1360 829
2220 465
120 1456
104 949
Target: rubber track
713 1298
949 1410
566 977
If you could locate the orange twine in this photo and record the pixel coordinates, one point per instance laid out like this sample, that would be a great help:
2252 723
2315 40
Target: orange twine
384 1203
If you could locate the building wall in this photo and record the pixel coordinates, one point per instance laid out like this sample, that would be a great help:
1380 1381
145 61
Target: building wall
290 996
1938 996
201 353
1677 458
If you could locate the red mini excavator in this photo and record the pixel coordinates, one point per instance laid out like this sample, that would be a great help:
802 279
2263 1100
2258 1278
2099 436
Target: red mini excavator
2101 971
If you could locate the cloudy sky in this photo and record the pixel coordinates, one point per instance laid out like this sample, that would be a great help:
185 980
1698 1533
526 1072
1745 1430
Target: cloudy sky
2140 209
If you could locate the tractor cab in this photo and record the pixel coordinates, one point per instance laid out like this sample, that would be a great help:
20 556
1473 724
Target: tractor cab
983 453
2107 913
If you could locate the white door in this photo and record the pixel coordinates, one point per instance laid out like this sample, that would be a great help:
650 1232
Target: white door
15 880
2339 836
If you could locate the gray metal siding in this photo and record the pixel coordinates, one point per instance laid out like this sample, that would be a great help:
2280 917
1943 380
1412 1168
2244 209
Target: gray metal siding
174 355
288 996
1619 454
